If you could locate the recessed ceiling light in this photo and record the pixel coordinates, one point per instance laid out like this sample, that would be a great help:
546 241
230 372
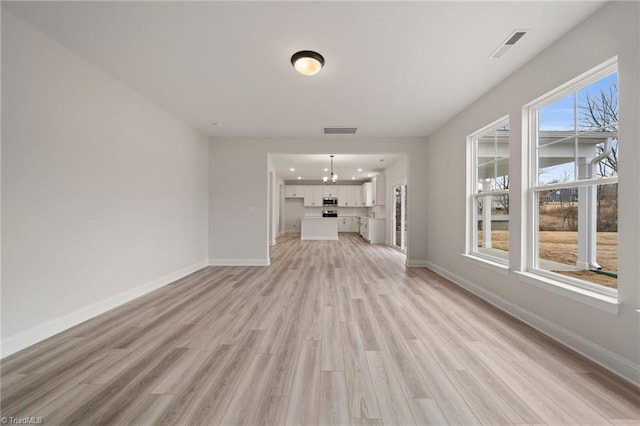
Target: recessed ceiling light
326 170
359 170
353 178
292 169
369 175
307 62
299 177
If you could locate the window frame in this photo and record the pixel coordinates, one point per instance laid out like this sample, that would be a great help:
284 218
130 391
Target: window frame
533 187
471 249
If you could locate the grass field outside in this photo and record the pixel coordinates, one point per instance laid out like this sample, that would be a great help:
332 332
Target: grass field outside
562 247
558 240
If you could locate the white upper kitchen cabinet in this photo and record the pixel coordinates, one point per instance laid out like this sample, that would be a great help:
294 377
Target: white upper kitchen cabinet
313 195
294 191
357 196
378 191
343 195
347 195
367 194
331 191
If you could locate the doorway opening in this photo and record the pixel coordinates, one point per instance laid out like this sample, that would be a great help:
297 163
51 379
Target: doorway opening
400 235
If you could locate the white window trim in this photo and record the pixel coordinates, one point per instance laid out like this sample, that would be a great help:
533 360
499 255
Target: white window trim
584 79
471 252
602 297
596 300
488 262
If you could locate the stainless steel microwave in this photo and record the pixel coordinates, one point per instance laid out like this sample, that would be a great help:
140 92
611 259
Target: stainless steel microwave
329 201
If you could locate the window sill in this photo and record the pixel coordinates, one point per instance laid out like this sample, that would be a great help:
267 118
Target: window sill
599 301
492 265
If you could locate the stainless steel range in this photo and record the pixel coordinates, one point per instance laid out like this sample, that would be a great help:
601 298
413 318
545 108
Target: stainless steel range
329 213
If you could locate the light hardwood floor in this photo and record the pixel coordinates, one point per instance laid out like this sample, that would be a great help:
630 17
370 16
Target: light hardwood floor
333 332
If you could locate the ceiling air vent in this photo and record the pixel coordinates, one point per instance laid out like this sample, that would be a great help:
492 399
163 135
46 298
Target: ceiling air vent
508 43
339 130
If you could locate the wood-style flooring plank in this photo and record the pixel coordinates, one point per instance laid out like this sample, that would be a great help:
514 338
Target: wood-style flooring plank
443 391
248 393
426 412
332 353
334 406
332 332
394 409
536 398
362 396
305 394
192 393
412 382
54 410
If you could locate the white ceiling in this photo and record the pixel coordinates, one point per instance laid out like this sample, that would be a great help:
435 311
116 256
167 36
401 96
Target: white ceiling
311 166
393 69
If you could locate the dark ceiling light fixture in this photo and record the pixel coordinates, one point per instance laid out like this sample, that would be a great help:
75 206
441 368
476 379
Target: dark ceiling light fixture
333 179
307 62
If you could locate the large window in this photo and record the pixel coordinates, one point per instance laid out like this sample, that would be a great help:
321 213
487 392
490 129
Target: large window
489 194
574 183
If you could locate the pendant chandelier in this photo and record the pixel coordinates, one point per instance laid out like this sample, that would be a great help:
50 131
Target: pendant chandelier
333 178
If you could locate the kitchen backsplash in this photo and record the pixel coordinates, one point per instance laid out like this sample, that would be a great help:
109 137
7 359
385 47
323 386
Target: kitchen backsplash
342 211
294 211
378 212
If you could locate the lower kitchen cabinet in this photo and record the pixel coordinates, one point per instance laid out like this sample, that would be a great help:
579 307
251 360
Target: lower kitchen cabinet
372 229
348 224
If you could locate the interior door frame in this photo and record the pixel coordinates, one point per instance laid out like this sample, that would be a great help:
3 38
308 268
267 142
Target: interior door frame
403 216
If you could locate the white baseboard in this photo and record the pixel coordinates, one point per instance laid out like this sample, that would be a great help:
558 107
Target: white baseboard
480 291
272 243
239 262
613 362
52 327
319 239
417 263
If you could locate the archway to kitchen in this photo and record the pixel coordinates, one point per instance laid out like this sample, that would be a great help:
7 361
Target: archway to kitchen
362 196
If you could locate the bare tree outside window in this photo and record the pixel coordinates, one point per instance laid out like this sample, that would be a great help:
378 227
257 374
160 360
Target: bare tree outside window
601 112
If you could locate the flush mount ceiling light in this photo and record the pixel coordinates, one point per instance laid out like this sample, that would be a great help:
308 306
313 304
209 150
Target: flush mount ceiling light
333 179
307 62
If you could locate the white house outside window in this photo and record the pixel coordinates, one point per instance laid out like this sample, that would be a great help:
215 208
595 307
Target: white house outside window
574 183
489 198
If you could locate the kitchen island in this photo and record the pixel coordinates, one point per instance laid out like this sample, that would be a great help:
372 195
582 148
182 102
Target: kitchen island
319 228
